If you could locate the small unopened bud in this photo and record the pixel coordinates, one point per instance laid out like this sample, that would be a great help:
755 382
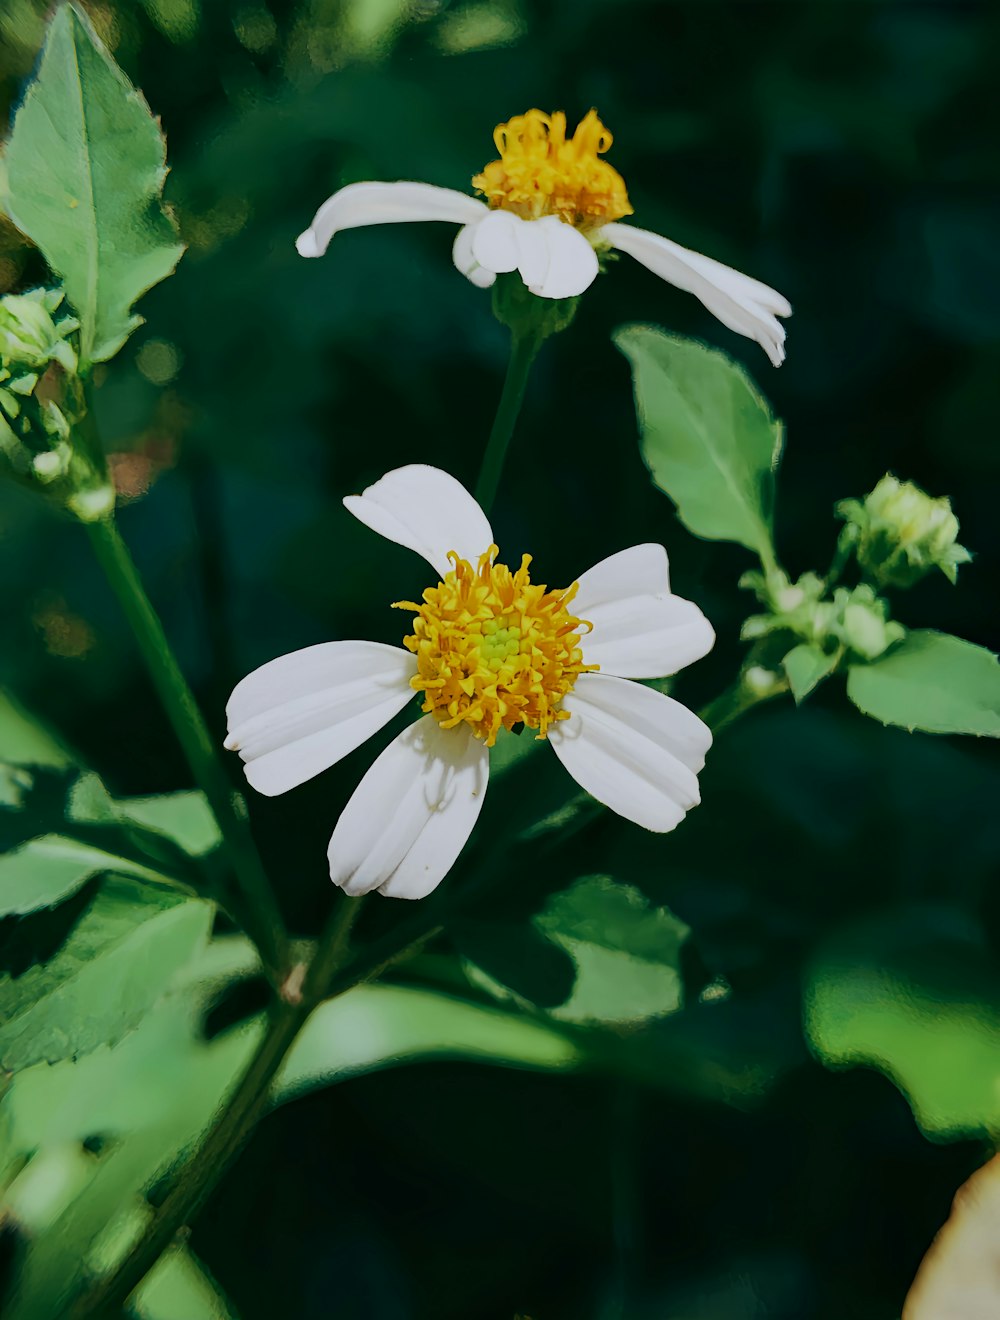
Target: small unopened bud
29 337
862 622
902 533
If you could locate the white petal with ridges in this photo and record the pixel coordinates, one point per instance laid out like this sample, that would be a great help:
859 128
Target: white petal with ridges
411 815
426 510
633 749
739 302
641 630
382 204
465 259
301 713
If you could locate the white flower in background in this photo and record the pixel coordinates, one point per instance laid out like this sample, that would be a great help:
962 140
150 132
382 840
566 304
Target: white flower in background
553 205
488 650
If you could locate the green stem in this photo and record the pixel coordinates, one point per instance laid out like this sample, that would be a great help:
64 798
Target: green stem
260 910
227 1136
737 699
523 349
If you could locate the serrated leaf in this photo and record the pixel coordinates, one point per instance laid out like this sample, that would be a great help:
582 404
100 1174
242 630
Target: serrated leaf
707 436
627 953
86 163
118 959
932 682
149 1097
46 870
805 667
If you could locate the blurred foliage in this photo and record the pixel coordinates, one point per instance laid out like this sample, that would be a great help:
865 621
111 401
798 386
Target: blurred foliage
835 892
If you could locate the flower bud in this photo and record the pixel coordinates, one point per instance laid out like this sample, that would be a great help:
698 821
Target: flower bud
29 338
862 622
901 533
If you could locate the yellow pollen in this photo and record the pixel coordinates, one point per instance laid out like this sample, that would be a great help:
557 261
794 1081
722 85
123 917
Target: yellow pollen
542 172
494 649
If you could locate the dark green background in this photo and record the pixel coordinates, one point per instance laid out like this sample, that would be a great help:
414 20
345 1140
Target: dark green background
845 153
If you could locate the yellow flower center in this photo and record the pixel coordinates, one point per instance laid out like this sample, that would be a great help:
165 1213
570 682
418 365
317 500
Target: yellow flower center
494 649
543 172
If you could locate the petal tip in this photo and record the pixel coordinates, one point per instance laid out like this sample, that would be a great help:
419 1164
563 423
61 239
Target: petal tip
307 245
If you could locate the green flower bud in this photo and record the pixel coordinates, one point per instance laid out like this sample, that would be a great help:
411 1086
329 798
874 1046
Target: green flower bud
901 533
862 624
791 606
29 337
853 620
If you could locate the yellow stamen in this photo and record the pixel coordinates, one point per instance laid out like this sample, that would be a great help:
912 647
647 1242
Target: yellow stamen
494 649
542 172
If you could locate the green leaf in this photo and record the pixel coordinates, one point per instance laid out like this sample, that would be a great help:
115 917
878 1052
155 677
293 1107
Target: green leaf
179 1287
26 742
148 1098
627 953
48 869
919 999
86 163
184 818
806 666
118 959
374 1026
518 956
707 436
933 682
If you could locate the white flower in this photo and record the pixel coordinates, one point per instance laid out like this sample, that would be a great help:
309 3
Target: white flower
489 650
553 206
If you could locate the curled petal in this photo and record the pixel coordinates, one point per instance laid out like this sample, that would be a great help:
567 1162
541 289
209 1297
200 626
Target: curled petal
633 749
302 713
411 815
426 510
640 629
553 259
739 302
465 261
573 262
383 204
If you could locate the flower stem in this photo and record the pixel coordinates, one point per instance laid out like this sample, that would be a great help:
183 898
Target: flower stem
523 349
737 699
227 1136
259 910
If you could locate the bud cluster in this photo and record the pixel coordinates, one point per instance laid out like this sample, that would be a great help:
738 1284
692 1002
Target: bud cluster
899 534
41 403
851 620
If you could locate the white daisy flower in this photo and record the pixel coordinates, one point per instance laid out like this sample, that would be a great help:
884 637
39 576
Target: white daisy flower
551 206
488 650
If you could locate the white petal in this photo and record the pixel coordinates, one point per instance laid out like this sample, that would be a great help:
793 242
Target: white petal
633 749
573 262
640 629
465 261
303 712
503 242
426 510
741 303
494 243
411 815
554 259
382 204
